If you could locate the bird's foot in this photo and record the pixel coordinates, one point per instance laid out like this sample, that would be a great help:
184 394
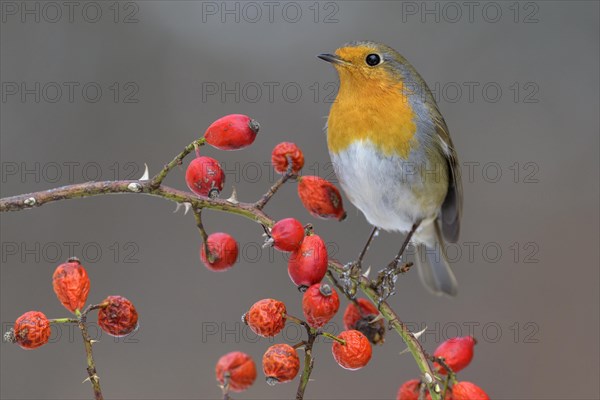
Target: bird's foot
387 277
394 264
398 267
350 276
355 265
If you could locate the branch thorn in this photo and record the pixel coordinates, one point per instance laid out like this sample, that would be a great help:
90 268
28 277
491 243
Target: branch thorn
418 334
146 175
233 198
377 318
366 273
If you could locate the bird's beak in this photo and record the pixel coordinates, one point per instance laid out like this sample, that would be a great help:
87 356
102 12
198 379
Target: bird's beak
332 58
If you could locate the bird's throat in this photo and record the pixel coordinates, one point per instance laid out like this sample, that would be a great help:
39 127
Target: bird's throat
382 115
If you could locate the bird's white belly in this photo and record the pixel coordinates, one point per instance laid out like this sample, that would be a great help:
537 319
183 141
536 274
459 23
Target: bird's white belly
381 187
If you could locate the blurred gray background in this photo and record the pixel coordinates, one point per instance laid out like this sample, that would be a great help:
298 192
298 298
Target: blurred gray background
516 81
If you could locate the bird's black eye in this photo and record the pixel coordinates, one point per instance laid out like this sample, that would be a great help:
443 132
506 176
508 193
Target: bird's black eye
373 60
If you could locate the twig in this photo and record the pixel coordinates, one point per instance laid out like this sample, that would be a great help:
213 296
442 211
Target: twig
247 210
422 388
178 160
450 374
299 322
333 337
260 204
442 362
93 307
87 341
64 321
90 189
198 215
225 386
309 362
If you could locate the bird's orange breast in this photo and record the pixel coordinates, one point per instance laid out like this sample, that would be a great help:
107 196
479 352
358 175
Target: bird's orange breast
376 111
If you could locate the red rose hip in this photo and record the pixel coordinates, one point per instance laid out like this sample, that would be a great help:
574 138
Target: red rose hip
361 320
355 353
457 353
285 152
319 304
409 390
71 284
321 198
308 264
241 370
31 330
266 317
205 177
232 132
468 391
223 251
117 316
287 234
280 364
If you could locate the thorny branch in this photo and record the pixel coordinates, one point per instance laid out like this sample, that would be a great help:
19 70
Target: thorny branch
87 341
309 362
252 211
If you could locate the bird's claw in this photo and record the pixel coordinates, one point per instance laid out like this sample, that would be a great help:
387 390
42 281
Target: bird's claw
350 277
394 264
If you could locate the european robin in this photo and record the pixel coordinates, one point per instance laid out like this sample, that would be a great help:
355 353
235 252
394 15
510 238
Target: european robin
393 155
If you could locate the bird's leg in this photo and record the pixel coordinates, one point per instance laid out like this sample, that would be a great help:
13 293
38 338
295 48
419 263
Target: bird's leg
409 236
386 279
364 250
353 269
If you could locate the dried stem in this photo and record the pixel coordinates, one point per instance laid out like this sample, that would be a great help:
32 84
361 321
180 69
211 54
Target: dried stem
308 346
309 362
87 341
299 322
251 211
333 337
209 255
178 160
260 204
64 321
450 374
225 386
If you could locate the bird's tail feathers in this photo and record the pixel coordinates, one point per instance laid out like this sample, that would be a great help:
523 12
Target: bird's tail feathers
432 262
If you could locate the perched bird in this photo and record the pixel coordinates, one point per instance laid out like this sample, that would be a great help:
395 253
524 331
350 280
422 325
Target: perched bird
393 155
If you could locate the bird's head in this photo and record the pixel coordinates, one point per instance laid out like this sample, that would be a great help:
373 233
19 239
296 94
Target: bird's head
367 63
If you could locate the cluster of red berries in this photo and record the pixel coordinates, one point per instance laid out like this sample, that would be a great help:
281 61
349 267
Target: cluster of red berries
307 264
205 177
267 317
307 267
116 315
456 353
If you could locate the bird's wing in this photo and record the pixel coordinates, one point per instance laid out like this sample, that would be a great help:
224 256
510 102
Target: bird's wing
452 205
